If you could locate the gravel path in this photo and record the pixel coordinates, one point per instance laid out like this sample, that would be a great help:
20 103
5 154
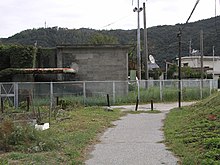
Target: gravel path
136 139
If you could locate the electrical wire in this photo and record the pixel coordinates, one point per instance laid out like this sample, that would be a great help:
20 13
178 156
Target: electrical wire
192 11
116 21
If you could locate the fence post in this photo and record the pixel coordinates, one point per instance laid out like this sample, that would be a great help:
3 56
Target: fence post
181 89
210 86
2 105
51 95
137 101
16 95
51 100
152 105
161 91
57 101
28 103
113 91
200 87
108 102
84 93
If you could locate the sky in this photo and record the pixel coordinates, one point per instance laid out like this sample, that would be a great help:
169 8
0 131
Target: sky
19 15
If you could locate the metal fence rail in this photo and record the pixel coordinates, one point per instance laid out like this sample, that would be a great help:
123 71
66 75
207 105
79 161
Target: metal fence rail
95 92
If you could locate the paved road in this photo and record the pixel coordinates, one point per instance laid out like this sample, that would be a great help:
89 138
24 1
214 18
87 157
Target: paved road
135 140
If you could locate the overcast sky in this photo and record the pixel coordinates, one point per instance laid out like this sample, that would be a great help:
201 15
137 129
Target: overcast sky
19 15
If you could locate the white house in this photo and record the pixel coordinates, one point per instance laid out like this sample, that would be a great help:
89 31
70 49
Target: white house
212 63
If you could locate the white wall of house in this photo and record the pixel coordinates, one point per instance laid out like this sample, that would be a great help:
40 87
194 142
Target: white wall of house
208 61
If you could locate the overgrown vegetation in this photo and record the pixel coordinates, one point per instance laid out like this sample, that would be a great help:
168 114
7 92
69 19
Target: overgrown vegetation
193 133
19 56
168 94
186 73
71 131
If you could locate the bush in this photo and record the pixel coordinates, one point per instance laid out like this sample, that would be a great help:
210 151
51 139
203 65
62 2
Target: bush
16 137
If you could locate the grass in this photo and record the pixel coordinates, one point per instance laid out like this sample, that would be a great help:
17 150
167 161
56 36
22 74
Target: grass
168 94
67 139
193 133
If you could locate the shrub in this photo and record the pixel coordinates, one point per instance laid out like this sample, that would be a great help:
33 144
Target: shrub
16 137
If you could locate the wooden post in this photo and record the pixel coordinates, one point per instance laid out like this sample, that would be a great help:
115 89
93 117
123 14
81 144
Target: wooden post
136 107
108 103
28 104
57 101
152 105
2 105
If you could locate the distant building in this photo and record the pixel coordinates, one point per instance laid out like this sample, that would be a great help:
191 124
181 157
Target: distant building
210 63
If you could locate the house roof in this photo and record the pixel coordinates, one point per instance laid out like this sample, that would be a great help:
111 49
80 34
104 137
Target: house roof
199 57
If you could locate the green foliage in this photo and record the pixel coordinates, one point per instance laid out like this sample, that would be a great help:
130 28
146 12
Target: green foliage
5 60
16 56
45 56
13 137
193 133
186 73
72 102
21 56
171 71
155 73
169 94
99 38
66 140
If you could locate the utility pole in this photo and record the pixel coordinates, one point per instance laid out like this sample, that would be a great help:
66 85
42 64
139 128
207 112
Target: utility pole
138 10
201 52
190 47
179 35
145 45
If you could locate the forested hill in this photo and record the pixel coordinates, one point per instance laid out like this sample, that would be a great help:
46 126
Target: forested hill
162 40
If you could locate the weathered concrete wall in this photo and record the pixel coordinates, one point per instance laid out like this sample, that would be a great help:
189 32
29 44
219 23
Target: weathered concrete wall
96 63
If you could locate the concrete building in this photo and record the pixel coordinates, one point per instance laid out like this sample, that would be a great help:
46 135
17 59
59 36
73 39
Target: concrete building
95 63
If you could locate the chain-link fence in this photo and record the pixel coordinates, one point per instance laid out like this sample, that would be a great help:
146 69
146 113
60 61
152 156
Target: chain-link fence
95 92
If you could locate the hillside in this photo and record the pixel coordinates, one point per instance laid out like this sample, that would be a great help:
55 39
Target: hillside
193 133
162 40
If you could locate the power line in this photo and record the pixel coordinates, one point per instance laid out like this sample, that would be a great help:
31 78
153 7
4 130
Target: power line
192 11
116 21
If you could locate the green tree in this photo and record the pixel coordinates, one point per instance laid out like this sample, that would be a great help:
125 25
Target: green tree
171 71
99 38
